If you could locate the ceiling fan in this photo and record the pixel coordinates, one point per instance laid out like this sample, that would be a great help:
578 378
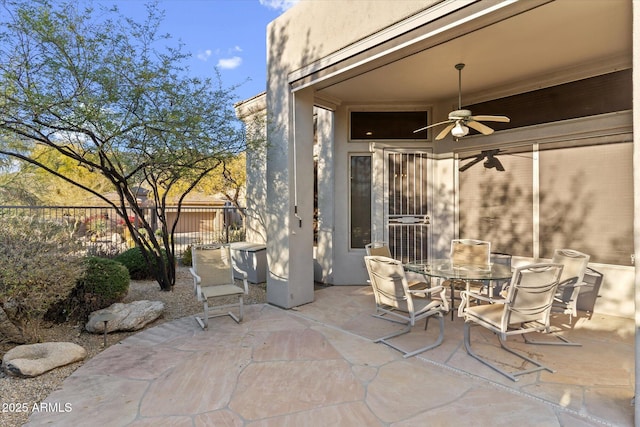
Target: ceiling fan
491 160
461 120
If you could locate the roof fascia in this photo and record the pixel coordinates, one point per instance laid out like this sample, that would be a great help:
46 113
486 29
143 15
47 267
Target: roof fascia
437 24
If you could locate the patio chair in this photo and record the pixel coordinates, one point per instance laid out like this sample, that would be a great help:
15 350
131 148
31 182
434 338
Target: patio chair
378 249
213 281
465 253
575 266
526 308
499 258
382 249
397 303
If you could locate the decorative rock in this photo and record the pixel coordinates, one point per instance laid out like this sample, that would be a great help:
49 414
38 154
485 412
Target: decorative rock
34 359
8 331
125 317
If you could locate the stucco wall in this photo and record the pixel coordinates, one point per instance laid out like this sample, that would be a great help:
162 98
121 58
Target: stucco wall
254 115
316 28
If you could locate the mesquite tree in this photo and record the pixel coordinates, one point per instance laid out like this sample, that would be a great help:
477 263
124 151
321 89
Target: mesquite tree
114 96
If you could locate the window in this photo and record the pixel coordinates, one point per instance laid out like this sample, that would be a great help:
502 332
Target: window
360 200
380 125
585 198
498 205
586 201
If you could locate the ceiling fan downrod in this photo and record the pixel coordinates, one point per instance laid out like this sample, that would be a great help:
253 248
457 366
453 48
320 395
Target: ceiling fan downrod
459 67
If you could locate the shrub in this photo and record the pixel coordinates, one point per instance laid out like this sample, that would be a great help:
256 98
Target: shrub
138 267
103 283
187 257
40 266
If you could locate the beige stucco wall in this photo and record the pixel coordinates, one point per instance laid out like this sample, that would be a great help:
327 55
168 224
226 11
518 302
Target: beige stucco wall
316 28
254 115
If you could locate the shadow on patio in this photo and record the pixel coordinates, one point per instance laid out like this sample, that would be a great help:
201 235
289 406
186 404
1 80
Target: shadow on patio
316 365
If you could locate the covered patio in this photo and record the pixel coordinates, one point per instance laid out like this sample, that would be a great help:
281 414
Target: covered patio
568 179
316 365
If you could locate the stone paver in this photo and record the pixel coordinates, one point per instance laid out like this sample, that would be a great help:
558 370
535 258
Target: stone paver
316 365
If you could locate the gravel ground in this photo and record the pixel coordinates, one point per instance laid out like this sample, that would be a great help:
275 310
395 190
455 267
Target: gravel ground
19 395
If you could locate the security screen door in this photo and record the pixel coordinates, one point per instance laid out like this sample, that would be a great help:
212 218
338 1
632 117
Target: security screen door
407 204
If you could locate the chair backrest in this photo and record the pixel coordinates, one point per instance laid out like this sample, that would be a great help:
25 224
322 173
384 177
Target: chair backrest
389 282
378 249
501 258
213 264
574 262
530 294
470 252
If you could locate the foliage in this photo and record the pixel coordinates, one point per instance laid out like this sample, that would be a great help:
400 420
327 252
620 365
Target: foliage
228 179
187 257
138 267
113 96
103 283
39 268
52 190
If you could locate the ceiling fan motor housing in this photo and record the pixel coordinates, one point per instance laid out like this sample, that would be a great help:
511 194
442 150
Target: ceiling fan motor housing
459 115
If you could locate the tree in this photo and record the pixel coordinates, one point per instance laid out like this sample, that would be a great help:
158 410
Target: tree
47 189
113 96
228 179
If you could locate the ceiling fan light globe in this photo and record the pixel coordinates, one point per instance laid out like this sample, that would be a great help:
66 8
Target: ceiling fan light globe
459 130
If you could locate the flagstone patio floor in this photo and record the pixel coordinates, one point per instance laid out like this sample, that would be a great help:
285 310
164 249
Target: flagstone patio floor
317 365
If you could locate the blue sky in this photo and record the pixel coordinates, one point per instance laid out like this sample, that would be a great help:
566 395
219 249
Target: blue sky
227 34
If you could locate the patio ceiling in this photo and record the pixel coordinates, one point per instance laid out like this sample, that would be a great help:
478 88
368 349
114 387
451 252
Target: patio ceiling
549 44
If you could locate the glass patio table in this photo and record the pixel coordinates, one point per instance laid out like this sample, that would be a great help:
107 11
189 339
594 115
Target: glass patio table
444 269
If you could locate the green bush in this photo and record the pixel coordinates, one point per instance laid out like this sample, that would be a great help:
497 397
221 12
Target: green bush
40 266
106 278
138 267
103 283
187 257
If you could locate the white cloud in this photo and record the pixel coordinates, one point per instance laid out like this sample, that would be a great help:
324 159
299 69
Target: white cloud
204 56
278 4
229 63
237 49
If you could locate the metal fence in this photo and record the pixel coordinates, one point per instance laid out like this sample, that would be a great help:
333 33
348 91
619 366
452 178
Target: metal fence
101 231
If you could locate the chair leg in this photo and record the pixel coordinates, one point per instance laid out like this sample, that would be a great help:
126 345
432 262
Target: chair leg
452 299
382 314
406 354
238 319
384 339
563 341
204 320
434 345
513 376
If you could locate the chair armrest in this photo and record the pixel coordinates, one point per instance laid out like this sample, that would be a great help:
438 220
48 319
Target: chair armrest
570 282
491 300
430 290
196 279
244 278
196 283
439 289
465 296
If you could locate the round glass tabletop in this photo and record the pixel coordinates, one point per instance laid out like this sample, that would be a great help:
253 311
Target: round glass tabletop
444 269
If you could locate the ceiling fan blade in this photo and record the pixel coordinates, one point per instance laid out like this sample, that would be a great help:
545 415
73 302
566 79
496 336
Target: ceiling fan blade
445 131
430 126
502 119
466 166
483 129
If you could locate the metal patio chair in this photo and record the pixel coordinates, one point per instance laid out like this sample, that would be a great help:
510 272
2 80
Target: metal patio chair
397 303
213 280
526 308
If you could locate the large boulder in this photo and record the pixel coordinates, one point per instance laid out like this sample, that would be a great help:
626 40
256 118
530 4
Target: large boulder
125 317
32 360
8 331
